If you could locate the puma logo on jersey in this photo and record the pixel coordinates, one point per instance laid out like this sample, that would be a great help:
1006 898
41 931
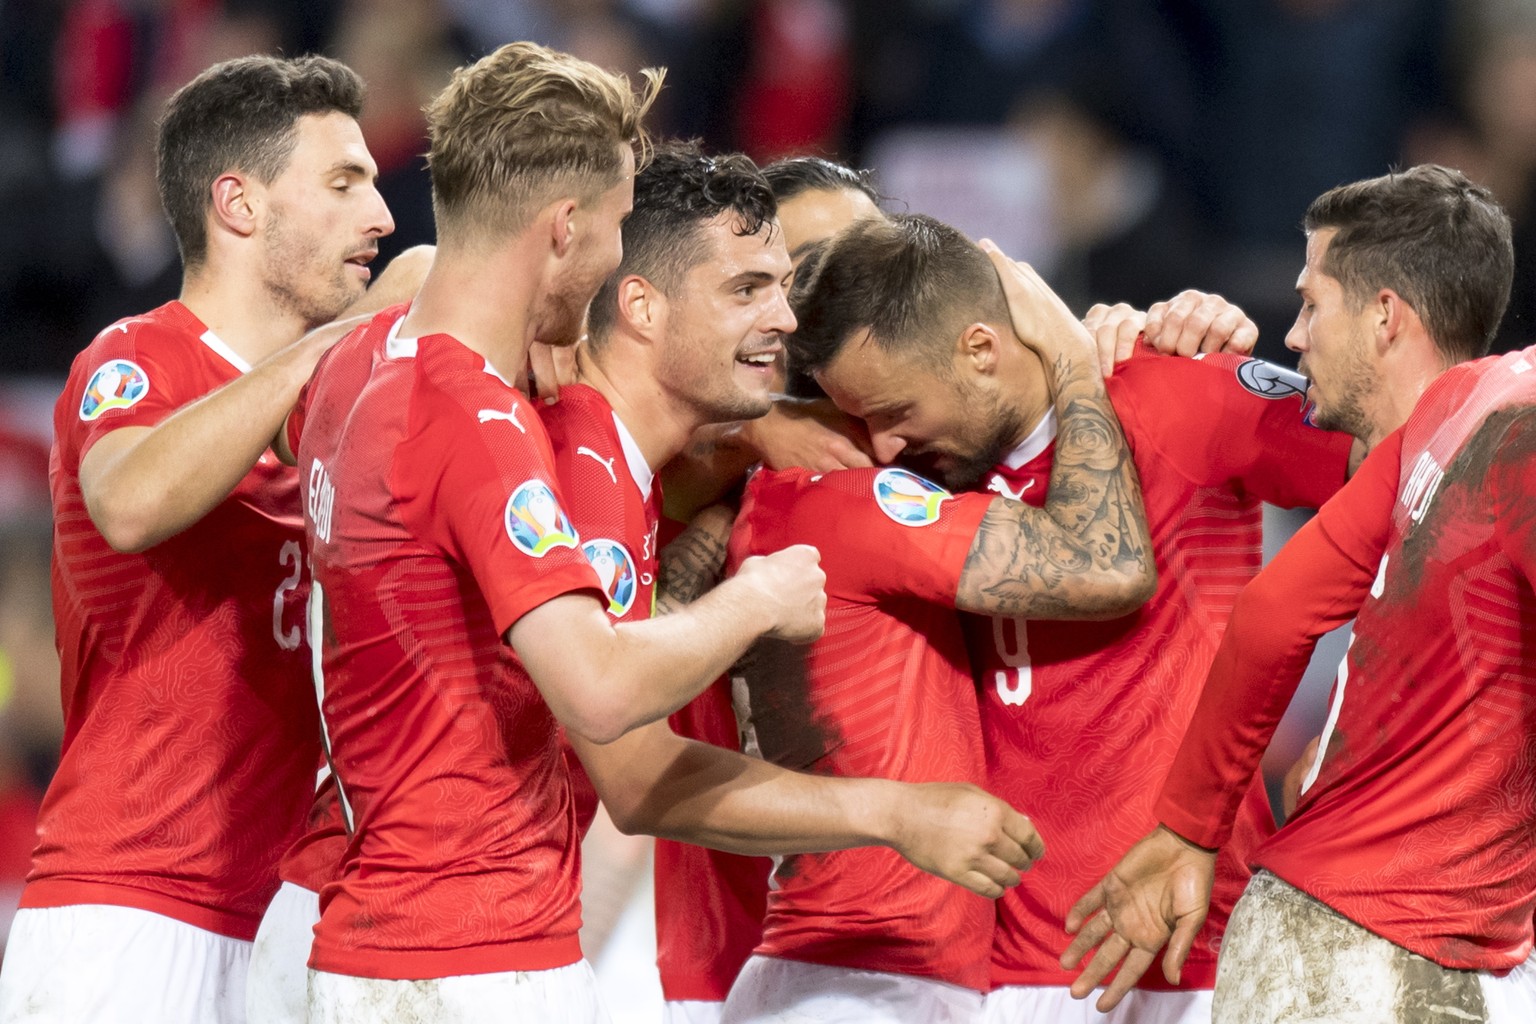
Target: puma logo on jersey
1000 486
486 415
1422 484
606 463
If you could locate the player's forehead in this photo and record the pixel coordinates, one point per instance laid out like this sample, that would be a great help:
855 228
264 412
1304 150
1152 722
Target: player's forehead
817 214
731 251
865 379
1313 275
329 143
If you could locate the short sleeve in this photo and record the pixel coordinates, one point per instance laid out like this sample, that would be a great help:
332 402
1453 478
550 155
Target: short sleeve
135 374
484 490
1224 419
882 533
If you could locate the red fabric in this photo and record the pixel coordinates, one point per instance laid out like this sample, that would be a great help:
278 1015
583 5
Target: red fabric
189 723
464 856
1082 718
886 692
1420 824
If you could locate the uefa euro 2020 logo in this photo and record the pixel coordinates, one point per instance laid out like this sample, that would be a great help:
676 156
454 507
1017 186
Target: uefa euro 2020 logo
616 570
908 498
115 385
535 521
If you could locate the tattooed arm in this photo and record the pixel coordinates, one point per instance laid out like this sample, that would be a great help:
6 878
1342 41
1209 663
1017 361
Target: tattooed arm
692 563
1087 553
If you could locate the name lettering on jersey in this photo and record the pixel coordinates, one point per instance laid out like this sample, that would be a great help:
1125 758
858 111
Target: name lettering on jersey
1422 484
322 500
1270 381
605 463
908 498
535 521
116 384
486 415
616 569
998 485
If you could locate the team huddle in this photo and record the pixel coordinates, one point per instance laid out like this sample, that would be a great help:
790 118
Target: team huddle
943 683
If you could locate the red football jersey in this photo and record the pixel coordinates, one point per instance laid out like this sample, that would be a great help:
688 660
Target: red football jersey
1421 825
615 503
190 734
709 910
885 692
435 524
1082 719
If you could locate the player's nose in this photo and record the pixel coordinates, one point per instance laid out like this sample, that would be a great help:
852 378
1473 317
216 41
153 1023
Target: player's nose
1296 337
380 221
887 446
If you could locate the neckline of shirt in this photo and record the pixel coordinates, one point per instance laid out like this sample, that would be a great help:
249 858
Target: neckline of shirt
1038 440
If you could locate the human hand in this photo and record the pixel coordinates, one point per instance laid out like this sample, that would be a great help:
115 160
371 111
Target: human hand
810 433
550 367
792 586
964 835
1290 789
1158 893
1116 330
1040 319
1193 321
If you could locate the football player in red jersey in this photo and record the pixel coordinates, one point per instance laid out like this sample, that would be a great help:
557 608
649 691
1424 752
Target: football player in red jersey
438 529
888 689
178 562
1076 716
1403 887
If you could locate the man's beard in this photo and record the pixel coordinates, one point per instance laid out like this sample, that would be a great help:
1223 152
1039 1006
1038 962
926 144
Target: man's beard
965 472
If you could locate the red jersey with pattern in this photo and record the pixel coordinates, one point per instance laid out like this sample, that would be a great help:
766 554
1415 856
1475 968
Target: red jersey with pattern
1421 824
710 904
435 523
1082 718
712 915
189 726
615 503
885 692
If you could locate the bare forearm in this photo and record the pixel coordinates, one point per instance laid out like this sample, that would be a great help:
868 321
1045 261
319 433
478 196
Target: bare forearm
702 794
144 487
1094 489
692 563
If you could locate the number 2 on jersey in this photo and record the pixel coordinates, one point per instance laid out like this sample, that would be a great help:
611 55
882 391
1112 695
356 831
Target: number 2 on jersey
287 639
1014 683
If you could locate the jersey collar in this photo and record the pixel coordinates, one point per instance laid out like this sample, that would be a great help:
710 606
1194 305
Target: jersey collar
639 469
1038 441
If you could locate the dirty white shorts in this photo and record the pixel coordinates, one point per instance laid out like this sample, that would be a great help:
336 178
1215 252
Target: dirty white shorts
774 991
1287 958
1031 1004
276 992
562 995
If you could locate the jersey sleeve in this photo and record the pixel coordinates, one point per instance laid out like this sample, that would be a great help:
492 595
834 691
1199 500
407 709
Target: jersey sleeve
1228 419
135 374
1512 486
486 494
883 533
1316 582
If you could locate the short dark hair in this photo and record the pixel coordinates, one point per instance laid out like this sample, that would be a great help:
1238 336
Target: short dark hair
912 281
241 115
1435 238
676 193
796 174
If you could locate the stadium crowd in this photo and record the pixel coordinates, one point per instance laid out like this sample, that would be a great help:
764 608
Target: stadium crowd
463 466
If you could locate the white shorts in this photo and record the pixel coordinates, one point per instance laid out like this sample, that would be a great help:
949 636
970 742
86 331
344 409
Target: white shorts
1029 1004
1287 957
277 988
563 995
691 1011
774 991
99 964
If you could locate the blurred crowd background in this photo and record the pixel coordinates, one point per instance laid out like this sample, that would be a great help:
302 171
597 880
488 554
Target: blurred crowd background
1128 148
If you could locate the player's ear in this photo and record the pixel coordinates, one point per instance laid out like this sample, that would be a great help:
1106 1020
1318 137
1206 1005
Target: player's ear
978 347
642 305
237 203
1392 319
562 226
